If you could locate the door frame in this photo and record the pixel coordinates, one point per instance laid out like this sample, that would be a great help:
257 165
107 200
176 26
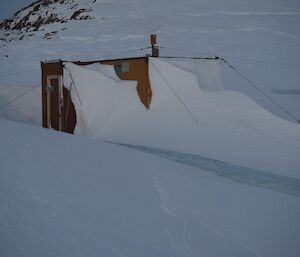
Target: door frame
49 91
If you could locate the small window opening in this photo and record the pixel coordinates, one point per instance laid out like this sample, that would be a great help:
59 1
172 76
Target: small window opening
118 70
125 67
122 68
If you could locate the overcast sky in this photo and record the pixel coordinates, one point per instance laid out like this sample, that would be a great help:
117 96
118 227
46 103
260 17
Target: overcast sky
9 7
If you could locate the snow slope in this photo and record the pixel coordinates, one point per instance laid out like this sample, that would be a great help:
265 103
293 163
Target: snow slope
62 195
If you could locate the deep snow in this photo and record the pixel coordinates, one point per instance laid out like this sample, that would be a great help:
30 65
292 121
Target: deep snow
62 195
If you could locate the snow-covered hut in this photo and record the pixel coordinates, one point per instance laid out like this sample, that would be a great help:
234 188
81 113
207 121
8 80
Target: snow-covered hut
58 108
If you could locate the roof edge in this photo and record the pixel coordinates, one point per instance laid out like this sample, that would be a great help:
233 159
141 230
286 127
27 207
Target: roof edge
93 61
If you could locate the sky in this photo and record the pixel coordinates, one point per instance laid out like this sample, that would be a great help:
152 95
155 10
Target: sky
9 7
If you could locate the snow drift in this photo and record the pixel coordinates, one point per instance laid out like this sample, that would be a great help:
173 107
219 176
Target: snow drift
99 96
223 125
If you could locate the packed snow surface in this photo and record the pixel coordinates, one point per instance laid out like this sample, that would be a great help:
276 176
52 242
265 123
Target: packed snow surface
62 195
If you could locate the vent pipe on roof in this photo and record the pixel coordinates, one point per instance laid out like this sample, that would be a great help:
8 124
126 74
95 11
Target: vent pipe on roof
155 51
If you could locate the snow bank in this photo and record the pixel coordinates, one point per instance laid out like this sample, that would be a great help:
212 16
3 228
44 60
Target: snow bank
223 125
99 96
64 196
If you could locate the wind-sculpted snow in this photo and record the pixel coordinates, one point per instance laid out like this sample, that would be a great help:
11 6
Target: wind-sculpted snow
184 116
231 171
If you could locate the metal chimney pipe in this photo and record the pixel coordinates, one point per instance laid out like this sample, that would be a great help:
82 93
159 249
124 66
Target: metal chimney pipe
155 51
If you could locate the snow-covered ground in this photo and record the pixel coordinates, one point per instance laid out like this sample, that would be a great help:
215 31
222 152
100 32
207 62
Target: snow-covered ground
214 175
62 195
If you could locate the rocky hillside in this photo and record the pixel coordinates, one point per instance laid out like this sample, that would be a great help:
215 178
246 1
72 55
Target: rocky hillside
40 13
